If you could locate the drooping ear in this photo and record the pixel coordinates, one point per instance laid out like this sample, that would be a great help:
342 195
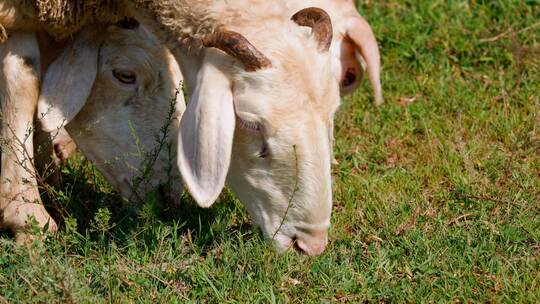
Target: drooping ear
360 33
68 81
206 134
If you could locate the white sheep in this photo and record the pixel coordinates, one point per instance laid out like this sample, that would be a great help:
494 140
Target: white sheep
260 117
264 83
19 86
263 97
124 81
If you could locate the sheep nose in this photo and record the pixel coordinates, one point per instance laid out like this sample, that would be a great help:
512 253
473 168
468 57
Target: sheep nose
311 246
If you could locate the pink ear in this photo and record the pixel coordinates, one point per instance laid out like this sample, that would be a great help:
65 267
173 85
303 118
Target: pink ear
359 31
352 67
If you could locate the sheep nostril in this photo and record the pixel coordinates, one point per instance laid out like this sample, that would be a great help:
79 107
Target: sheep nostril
293 244
296 246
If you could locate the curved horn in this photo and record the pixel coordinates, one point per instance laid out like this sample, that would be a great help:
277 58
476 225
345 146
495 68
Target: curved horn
238 47
320 22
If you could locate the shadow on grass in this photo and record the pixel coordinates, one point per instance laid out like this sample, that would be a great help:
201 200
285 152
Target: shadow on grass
83 194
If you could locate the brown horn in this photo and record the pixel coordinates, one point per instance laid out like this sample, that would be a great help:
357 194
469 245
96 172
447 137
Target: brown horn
238 47
321 25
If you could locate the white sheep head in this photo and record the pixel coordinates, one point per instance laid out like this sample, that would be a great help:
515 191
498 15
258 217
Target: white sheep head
112 89
262 121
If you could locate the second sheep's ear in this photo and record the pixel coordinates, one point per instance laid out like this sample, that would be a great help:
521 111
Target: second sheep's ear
360 34
68 81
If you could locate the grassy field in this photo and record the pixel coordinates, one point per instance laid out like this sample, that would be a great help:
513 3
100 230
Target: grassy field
437 193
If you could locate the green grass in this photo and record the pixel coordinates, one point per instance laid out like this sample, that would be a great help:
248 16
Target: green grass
437 193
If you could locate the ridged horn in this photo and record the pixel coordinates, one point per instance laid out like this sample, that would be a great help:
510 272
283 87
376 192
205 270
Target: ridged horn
320 23
238 47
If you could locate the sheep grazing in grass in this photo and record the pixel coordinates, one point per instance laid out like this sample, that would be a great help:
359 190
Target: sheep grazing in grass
135 92
20 79
124 81
263 94
263 98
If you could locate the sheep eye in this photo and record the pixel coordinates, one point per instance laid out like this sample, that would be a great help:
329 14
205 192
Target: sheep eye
125 77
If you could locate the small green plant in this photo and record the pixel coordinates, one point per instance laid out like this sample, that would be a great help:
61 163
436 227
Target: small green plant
102 222
293 193
162 145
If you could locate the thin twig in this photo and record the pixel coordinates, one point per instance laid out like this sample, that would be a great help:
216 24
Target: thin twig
457 219
148 272
504 34
295 189
28 282
408 225
482 198
149 159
